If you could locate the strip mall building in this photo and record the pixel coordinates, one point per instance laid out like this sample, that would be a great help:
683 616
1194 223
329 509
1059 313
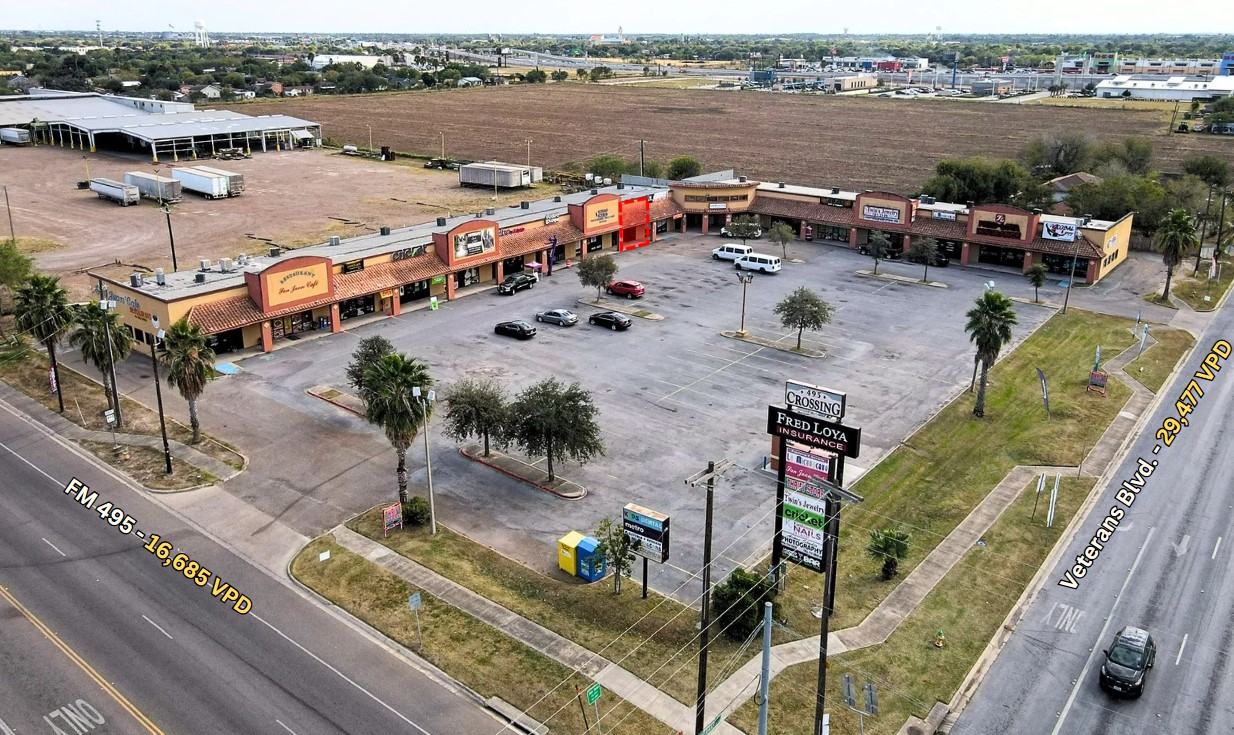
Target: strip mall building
254 302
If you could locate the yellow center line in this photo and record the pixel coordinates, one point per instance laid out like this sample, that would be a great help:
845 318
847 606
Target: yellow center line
72 655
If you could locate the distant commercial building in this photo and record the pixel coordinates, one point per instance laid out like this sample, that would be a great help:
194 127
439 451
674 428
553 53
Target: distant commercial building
853 83
608 39
321 61
1153 87
1114 63
989 87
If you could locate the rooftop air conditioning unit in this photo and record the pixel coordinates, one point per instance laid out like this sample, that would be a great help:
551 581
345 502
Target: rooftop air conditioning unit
275 252
595 191
205 264
335 240
741 179
385 231
781 184
159 278
608 181
490 211
835 190
225 265
557 198
621 185
201 278
524 205
588 177
441 221
135 280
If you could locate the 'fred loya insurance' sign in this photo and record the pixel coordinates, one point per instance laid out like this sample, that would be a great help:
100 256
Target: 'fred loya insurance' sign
813 400
816 432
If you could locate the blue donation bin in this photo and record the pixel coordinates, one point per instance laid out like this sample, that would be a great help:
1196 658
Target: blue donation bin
591 563
567 552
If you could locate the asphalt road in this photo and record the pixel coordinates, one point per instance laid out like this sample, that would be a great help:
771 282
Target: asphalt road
1165 569
182 658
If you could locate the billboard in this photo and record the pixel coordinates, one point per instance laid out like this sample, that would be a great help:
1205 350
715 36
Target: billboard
802 465
1063 231
880 214
475 242
649 528
813 400
815 432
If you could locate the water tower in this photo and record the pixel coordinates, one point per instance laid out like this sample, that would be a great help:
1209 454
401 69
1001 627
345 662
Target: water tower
200 34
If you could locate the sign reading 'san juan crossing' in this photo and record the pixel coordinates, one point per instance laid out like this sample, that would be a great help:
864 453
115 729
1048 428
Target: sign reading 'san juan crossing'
816 432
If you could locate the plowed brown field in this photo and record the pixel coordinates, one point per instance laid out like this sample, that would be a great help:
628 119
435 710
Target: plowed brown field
851 142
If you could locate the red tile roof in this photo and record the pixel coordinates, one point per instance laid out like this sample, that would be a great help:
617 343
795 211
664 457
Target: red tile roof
664 209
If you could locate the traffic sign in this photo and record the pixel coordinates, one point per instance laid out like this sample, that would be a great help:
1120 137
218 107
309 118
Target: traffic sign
414 601
110 416
593 693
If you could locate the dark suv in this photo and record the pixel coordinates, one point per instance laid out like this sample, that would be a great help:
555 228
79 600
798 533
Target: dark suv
516 282
1127 662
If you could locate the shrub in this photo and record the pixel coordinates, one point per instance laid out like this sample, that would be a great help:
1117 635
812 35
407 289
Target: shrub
737 604
416 511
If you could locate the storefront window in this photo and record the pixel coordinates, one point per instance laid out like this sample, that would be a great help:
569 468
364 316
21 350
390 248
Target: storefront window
467 278
831 232
414 291
595 243
356 307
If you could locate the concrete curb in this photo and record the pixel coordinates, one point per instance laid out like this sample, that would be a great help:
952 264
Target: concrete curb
771 344
606 306
522 479
333 402
901 279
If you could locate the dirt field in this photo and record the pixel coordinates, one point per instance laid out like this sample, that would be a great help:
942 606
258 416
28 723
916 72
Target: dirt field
290 197
854 143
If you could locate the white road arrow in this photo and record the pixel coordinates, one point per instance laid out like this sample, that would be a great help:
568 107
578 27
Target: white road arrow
1181 548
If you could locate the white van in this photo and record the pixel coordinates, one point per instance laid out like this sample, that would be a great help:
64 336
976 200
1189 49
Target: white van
731 252
758 262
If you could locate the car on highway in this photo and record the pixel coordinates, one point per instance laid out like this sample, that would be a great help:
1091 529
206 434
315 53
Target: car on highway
629 289
562 317
610 319
1127 661
518 329
516 282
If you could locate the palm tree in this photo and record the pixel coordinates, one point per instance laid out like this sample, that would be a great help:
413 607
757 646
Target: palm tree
890 545
1037 275
989 327
94 323
43 311
190 365
389 402
1175 237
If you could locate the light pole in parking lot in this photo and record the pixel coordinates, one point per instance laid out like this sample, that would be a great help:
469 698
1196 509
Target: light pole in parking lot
425 399
745 279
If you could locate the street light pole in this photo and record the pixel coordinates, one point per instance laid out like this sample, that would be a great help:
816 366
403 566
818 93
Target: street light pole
529 141
370 140
158 393
12 232
745 279
1071 276
426 402
171 237
107 305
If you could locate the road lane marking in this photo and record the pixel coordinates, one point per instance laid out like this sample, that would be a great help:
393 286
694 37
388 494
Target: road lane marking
35 467
58 551
1218 546
1180 650
72 655
5 729
288 729
340 674
148 620
1062 716
1180 549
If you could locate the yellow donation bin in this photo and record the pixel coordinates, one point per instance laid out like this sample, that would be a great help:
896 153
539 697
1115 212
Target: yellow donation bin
567 552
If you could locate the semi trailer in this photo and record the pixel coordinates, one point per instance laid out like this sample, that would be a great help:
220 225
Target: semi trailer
209 185
151 186
116 191
235 181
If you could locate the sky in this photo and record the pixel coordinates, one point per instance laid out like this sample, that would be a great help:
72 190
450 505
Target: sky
635 16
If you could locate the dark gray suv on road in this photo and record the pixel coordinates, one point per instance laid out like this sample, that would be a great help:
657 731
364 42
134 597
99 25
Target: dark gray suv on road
1127 662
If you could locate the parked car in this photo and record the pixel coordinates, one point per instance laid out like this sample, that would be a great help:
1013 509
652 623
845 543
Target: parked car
516 282
519 329
610 319
758 262
558 316
724 232
629 289
1127 661
731 252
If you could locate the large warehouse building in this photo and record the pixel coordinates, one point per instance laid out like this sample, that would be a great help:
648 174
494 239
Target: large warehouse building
1181 88
89 121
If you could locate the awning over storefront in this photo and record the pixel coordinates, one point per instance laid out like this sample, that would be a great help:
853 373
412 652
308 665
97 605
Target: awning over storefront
301 135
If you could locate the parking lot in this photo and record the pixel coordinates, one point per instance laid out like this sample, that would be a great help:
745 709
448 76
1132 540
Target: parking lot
672 395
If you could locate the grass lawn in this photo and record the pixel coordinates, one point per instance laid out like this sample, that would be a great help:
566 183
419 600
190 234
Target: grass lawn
969 605
476 654
931 482
1154 366
1193 290
26 369
146 465
1165 109
588 614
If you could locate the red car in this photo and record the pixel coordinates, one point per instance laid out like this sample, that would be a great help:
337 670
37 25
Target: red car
629 289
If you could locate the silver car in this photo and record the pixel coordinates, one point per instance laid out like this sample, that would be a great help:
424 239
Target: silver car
558 316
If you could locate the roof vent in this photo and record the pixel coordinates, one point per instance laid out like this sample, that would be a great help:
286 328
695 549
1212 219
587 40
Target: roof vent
275 252
135 280
225 265
557 198
490 211
595 191
441 221
159 278
835 190
336 240
524 205
1088 218
621 185
385 231
201 278
205 264
741 179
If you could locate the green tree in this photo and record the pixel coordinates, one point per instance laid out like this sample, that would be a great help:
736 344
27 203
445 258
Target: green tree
559 75
1175 238
1116 195
600 72
475 408
923 250
1058 154
653 169
390 402
618 548
90 338
15 269
190 366
369 351
1212 170
738 603
556 421
536 76
979 180
989 328
683 167
580 73
745 227
877 247
43 311
1037 274
890 545
803 309
597 271
1135 154
781 234
610 167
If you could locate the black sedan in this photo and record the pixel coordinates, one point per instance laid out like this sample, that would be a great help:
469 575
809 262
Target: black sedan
610 319
519 329
516 282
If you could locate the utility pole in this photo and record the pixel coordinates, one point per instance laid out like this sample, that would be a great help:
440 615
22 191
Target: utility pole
12 232
1221 219
1203 232
158 392
708 476
764 681
1071 276
443 146
171 237
642 157
107 306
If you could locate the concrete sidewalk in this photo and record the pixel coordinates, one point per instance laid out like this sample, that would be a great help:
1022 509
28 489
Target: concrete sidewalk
608 674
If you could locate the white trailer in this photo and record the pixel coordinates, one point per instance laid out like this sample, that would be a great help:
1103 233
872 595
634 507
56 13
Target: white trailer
235 181
507 175
211 186
15 136
158 188
117 191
